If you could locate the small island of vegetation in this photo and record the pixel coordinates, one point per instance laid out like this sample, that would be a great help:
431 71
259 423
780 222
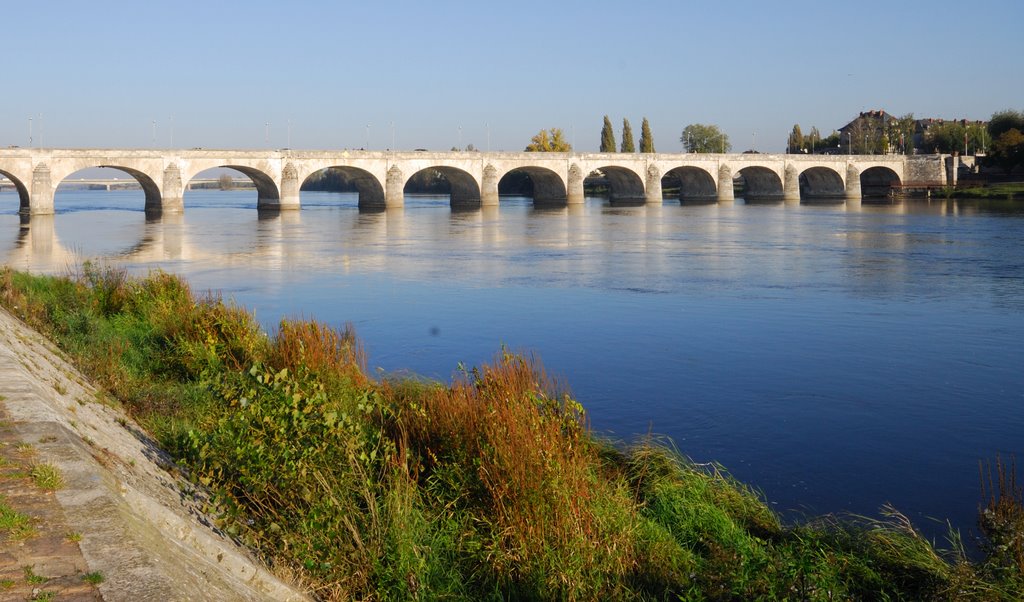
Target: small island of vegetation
489 487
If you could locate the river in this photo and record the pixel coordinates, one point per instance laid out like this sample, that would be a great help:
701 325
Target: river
837 358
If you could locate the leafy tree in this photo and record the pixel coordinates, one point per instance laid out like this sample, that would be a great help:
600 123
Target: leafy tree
646 139
627 138
1004 121
903 134
1008 149
795 142
549 141
701 138
831 141
813 140
952 136
866 136
607 137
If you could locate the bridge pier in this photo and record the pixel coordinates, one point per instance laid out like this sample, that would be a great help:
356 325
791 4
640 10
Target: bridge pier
172 197
42 191
791 185
852 183
289 188
574 188
653 193
489 187
726 194
394 188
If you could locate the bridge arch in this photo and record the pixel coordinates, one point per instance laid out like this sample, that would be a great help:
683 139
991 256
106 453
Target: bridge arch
696 184
267 193
460 185
346 178
821 183
150 189
624 184
23 195
545 186
877 181
760 183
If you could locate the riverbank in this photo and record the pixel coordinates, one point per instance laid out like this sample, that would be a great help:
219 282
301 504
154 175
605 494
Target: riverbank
1010 192
90 507
488 487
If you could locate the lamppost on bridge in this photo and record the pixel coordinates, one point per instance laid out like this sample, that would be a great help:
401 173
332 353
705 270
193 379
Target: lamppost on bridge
460 137
266 133
154 133
367 136
30 132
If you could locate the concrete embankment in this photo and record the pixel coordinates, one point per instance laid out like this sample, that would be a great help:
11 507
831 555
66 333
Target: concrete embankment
136 521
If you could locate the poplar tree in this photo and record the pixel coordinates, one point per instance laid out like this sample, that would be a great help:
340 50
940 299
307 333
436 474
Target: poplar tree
646 140
795 143
607 137
627 138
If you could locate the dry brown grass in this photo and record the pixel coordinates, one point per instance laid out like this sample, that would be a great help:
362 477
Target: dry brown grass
322 350
1001 518
537 477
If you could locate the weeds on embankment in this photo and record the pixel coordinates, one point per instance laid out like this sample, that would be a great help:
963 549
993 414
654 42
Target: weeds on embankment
489 487
1008 191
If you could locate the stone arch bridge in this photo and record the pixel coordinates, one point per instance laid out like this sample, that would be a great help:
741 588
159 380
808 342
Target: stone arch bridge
474 177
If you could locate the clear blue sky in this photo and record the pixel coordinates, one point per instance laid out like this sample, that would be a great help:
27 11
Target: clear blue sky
99 73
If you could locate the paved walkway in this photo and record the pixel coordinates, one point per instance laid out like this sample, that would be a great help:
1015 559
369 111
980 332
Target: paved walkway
50 560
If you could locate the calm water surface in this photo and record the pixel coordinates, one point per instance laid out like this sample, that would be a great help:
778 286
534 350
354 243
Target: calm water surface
838 358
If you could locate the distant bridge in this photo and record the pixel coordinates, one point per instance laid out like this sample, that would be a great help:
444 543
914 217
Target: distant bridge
557 178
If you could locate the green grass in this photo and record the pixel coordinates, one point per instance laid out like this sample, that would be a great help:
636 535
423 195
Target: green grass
995 191
31 577
489 487
94 578
46 476
16 525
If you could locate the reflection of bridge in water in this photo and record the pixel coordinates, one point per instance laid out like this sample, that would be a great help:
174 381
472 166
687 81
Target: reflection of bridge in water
476 178
279 241
166 239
